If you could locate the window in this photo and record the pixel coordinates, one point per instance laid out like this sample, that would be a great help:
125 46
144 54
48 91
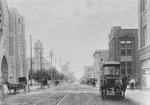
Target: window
129 64
123 64
144 36
129 44
122 71
128 51
144 5
126 47
123 43
129 71
123 51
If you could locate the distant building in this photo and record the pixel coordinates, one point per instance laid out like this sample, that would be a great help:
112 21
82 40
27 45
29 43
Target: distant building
65 69
123 48
88 71
38 61
144 41
100 56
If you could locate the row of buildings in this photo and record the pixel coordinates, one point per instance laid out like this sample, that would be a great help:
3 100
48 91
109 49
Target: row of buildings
13 62
130 47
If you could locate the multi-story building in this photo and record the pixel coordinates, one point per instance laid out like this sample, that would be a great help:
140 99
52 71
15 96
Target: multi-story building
123 48
144 40
88 71
12 44
4 47
17 45
100 56
38 61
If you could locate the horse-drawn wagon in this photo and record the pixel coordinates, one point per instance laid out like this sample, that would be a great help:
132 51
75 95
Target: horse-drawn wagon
112 83
44 82
21 85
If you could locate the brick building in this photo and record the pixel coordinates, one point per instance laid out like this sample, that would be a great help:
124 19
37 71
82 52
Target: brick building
123 48
144 41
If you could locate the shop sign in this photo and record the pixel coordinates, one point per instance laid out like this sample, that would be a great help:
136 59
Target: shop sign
126 58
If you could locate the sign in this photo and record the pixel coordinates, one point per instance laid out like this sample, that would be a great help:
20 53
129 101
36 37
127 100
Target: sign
126 58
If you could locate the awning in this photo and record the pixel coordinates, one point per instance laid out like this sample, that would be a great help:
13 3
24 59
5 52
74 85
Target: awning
111 63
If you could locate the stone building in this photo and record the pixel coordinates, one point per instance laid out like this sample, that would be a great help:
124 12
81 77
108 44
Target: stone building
123 48
38 61
12 44
17 45
144 40
4 47
100 56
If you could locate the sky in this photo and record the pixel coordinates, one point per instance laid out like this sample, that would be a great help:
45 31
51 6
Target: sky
74 29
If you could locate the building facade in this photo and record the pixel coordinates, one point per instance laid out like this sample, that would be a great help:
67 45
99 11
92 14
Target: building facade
38 61
88 71
100 56
123 48
4 47
144 40
17 45
12 44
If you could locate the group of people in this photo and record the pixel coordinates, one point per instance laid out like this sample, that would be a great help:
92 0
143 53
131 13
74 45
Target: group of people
135 83
132 84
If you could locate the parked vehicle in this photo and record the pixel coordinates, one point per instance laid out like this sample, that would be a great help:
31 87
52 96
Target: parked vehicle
44 82
112 83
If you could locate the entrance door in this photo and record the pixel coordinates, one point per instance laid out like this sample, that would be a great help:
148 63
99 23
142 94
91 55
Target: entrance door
4 69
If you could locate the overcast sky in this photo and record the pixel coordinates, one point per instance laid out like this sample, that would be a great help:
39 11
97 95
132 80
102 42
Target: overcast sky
75 28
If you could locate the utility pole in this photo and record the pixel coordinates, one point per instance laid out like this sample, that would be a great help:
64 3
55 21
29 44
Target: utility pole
51 52
41 59
31 57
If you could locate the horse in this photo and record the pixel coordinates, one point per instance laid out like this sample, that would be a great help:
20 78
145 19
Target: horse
93 82
123 86
11 86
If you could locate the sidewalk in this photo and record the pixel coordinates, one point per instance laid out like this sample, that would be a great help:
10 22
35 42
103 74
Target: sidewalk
142 97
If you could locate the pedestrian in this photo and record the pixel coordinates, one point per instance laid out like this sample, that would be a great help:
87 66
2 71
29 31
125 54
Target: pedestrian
132 84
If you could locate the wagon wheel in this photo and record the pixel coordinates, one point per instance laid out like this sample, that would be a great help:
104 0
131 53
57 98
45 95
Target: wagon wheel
41 85
48 85
28 88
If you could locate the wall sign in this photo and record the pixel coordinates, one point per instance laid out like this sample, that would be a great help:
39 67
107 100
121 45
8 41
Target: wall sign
126 58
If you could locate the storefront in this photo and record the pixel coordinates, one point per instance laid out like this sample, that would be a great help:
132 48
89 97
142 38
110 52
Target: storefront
145 72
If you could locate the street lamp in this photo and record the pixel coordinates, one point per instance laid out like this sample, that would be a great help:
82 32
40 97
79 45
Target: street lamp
31 57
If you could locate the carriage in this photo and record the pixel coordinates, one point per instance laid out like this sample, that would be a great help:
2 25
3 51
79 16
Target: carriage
44 82
21 85
111 83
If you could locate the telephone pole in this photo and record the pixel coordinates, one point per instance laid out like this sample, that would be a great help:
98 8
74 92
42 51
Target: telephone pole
31 57
51 52
41 59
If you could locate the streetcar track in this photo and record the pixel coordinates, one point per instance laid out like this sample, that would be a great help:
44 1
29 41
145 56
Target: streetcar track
63 98
42 100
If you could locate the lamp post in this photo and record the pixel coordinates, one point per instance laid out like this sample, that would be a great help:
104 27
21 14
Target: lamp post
31 57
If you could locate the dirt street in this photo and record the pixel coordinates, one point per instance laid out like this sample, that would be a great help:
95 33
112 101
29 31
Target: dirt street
65 94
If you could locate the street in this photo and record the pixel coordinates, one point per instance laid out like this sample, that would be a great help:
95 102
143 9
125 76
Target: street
65 94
